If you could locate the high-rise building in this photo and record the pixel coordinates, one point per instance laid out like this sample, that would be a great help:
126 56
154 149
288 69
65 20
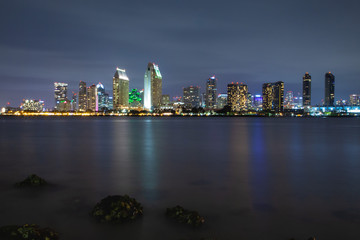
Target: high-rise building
60 94
221 101
306 90
211 93
191 97
120 90
355 99
268 96
258 101
273 96
92 100
32 105
329 89
74 102
289 100
278 91
237 97
152 87
101 96
82 96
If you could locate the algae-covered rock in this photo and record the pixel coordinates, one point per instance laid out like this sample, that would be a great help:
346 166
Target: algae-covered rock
27 231
185 216
32 181
116 209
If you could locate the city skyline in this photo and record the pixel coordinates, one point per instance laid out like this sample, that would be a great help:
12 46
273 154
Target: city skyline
245 42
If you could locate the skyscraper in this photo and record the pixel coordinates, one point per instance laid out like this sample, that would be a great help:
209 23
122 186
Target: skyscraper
82 96
152 87
92 100
329 89
278 101
221 101
273 96
306 90
191 97
237 96
60 94
211 93
267 92
101 96
120 90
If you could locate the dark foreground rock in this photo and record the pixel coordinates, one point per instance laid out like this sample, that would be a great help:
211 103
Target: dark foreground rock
29 232
185 216
117 209
32 181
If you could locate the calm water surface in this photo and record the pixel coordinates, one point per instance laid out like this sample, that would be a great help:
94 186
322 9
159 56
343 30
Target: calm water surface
252 178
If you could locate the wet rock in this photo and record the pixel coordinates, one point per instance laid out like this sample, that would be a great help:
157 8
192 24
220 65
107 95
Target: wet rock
117 209
182 215
32 181
27 231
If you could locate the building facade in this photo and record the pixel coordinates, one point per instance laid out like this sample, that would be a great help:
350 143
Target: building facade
237 97
60 94
354 100
32 105
82 96
152 87
120 90
273 97
329 89
211 93
191 97
92 100
306 90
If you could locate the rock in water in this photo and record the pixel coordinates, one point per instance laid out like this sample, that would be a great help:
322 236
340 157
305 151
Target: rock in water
185 216
32 181
117 209
27 231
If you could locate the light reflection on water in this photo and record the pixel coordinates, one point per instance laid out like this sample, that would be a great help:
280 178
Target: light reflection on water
252 178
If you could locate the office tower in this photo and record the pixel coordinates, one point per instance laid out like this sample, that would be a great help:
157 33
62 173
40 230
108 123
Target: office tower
273 96
120 90
237 97
221 101
111 103
278 100
354 99
74 102
60 94
258 101
329 89
82 96
152 87
165 99
32 105
92 100
268 96
306 90
289 100
191 97
134 99
211 93
100 90
233 96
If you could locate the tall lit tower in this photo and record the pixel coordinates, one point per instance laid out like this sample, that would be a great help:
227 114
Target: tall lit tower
120 90
60 93
191 96
152 87
82 96
92 98
278 101
329 89
100 91
267 92
211 93
306 90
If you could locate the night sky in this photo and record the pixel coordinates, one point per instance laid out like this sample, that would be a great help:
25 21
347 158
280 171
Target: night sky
47 41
